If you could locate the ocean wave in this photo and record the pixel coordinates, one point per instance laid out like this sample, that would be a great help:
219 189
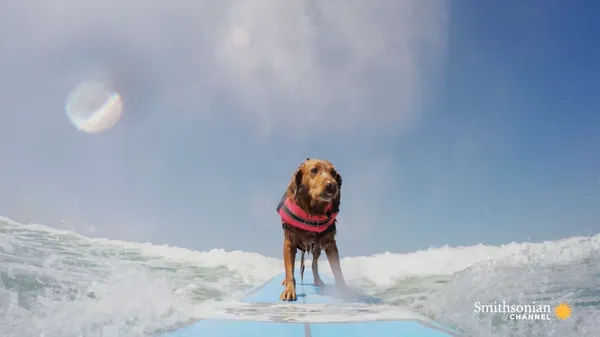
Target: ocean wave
60 283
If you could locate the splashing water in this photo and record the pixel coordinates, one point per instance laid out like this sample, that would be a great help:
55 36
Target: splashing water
59 283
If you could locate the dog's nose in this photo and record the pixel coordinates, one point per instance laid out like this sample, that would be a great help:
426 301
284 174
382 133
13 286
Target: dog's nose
331 188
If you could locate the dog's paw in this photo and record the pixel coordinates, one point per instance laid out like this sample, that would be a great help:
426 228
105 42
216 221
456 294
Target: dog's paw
289 294
319 283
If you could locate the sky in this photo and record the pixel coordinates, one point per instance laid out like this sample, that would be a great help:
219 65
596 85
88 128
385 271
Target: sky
451 123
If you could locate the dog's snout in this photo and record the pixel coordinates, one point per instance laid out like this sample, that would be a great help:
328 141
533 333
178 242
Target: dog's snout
331 188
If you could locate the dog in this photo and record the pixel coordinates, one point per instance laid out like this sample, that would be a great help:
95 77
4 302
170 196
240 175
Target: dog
308 211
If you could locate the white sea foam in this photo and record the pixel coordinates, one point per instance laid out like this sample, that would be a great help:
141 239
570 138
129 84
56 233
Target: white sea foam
59 283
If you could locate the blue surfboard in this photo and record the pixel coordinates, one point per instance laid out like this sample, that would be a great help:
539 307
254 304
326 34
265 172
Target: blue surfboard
286 317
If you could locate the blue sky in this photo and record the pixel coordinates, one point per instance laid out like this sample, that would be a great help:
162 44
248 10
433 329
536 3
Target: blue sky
451 123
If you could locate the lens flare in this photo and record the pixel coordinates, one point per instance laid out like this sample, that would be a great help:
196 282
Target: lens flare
93 108
240 38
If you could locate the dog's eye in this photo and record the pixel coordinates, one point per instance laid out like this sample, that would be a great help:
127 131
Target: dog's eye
314 170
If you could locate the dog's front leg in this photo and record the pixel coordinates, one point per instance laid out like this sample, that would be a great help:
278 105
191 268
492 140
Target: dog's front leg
315 267
289 258
334 261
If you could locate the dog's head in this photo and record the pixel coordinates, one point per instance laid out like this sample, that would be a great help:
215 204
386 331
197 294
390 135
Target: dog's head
315 185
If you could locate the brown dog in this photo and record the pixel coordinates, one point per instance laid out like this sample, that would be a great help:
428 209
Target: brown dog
308 211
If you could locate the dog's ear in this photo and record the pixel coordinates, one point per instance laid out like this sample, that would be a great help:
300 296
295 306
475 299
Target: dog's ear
295 185
338 198
298 179
338 179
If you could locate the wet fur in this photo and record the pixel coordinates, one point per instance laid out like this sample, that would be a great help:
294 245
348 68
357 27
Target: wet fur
305 189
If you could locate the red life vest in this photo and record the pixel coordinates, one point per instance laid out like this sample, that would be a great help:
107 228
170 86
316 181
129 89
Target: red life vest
295 216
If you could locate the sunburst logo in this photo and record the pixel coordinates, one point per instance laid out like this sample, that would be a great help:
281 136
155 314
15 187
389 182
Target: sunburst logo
562 311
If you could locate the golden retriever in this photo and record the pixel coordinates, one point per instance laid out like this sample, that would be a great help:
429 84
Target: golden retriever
308 213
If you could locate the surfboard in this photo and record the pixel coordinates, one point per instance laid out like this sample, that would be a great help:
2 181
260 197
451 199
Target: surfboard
289 319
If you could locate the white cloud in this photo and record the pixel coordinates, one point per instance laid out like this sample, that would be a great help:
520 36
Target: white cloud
265 67
302 66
